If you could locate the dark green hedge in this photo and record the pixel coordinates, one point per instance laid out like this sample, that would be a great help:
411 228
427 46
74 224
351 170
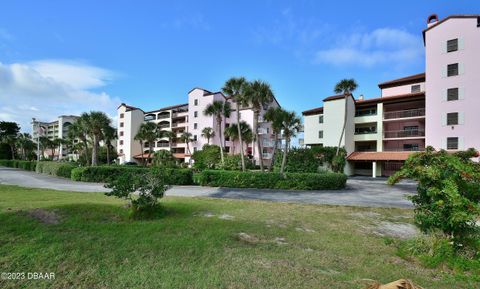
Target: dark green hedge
103 174
58 169
291 181
24 165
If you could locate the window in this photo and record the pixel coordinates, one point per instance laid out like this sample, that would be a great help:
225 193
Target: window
195 102
195 114
320 134
452 143
121 115
410 128
415 88
121 142
410 147
452 69
452 45
121 151
195 138
320 118
195 125
366 111
121 124
452 118
452 94
366 129
121 133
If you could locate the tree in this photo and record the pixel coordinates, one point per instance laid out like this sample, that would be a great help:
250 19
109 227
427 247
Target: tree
168 134
291 125
259 95
208 133
11 140
219 110
147 133
78 130
8 128
235 88
246 134
53 145
44 144
95 122
346 87
275 115
163 158
186 138
109 135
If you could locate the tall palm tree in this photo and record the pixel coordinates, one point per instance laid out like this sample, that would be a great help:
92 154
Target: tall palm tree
95 122
208 133
246 134
219 110
235 88
44 143
186 138
25 144
275 115
259 95
53 146
77 130
11 140
109 135
168 134
345 86
148 132
291 125
232 133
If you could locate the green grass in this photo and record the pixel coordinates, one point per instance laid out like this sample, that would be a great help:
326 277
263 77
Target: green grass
96 245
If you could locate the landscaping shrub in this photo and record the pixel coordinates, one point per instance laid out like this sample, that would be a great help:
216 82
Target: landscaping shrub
289 181
24 165
311 160
59 169
207 158
234 163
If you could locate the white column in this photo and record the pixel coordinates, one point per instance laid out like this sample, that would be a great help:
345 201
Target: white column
374 169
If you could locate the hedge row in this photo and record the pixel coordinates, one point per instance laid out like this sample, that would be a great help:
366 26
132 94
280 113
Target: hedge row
19 164
58 169
103 174
291 181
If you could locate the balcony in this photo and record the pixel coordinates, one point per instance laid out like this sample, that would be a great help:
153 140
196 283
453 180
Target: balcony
268 143
404 134
266 156
178 124
400 114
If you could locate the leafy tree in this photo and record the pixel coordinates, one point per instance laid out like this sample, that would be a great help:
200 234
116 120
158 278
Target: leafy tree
259 96
448 192
163 158
207 158
346 87
95 122
219 110
208 133
291 125
275 116
11 140
311 160
235 88
8 128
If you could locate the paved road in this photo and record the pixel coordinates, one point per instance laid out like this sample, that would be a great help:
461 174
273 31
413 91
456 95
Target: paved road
359 192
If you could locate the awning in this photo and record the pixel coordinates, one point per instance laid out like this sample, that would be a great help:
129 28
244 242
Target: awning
379 156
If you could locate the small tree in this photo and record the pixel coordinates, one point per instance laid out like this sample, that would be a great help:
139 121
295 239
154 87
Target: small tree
346 87
208 133
207 158
291 125
448 192
163 158
219 110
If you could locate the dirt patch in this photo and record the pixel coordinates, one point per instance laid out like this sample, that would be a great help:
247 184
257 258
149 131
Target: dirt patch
280 241
250 239
44 216
302 229
397 230
366 215
226 217
212 215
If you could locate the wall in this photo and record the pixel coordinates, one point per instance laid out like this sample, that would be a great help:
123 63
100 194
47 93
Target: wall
312 127
402 89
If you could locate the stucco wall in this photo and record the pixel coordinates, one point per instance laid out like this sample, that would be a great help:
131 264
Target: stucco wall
403 89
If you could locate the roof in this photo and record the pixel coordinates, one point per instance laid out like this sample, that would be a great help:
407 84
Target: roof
129 107
379 156
408 96
458 16
420 77
335 97
168 107
313 111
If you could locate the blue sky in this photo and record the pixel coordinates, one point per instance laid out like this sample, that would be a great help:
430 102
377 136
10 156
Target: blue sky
64 57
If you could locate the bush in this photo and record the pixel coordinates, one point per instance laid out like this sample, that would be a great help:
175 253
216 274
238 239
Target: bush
448 193
291 181
207 158
234 163
163 158
311 160
105 174
24 165
59 169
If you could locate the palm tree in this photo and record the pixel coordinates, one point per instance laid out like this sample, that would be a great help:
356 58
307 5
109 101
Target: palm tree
109 134
219 110
170 135
246 134
11 140
25 143
235 88
345 86
186 138
275 116
77 130
95 122
232 133
208 133
44 143
259 95
291 125
148 132
53 145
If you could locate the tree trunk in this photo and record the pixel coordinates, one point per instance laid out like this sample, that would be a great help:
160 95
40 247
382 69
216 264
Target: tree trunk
219 124
275 143
242 158
150 148
257 136
95 151
12 150
344 125
85 144
141 151
284 160
108 154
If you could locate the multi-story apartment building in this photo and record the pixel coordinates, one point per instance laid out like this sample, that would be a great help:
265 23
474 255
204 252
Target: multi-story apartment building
53 130
188 117
437 108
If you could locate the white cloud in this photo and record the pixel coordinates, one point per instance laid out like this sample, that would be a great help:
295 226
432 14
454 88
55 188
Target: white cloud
48 88
381 46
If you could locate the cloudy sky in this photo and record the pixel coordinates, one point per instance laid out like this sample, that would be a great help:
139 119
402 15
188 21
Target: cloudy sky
63 57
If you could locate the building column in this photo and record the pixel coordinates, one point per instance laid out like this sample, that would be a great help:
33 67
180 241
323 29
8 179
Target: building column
374 169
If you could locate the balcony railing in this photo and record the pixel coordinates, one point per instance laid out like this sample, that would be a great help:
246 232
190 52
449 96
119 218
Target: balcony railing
179 124
404 113
266 155
402 149
404 133
163 145
366 132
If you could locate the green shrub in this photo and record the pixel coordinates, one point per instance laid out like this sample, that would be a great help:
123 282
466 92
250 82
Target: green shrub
20 164
6 163
291 181
234 163
59 169
207 158
311 160
164 158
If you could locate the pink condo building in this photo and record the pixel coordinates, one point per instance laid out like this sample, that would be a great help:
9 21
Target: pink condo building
438 108
189 117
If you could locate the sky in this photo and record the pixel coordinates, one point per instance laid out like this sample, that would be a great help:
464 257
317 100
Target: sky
67 57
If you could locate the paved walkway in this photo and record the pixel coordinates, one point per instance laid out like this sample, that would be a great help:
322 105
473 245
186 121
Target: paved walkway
365 192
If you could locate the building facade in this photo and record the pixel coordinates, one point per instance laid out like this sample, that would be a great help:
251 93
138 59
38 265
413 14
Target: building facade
189 117
57 129
437 108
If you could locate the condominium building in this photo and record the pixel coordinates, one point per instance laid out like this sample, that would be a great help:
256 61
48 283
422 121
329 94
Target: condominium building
438 108
53 130
189 117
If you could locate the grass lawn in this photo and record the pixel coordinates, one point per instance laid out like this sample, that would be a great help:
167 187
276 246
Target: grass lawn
196 244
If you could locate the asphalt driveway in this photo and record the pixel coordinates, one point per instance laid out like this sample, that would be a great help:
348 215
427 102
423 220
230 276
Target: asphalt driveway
365 192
